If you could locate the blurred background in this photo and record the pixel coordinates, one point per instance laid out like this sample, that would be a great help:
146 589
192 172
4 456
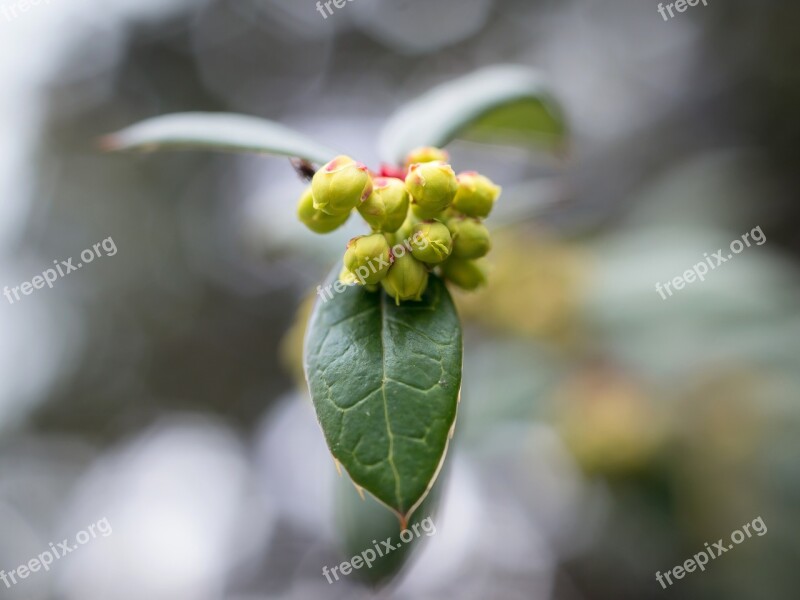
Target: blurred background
604 433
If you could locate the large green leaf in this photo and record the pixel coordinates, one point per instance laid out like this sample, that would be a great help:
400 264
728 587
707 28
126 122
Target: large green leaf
510 104
385 382
217 131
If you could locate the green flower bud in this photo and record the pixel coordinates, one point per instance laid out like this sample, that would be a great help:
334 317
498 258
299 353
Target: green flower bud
449 213
346 277
387 207
316 220
368 258
466 274
407 279
470 238
476 195
432 187
426 154
340 186
431 242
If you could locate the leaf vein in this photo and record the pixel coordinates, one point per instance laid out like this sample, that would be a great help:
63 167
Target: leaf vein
390 458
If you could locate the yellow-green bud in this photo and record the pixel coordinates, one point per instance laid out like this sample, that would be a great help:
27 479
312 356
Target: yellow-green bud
406 280
431 242
340 186
432 187
449 213
426 154
387 206
316 220
466 274
476 195
346 277
368 258
470 238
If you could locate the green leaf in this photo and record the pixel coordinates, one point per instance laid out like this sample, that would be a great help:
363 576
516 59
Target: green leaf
500 104
216 131
385 382
360 521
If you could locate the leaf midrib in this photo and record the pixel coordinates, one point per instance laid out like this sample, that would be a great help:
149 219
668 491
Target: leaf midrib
390 458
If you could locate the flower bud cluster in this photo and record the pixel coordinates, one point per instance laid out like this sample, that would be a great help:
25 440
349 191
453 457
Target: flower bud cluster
432 220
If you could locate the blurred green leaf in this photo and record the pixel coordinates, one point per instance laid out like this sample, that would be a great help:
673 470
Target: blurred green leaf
216 131
385 381
362 521
509 104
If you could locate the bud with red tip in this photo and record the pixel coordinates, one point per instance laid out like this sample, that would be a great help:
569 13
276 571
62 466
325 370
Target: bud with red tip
340 186
432 186
387 207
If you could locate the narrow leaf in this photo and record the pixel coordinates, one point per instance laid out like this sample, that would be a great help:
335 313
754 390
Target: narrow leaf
385 382
216 131
502 103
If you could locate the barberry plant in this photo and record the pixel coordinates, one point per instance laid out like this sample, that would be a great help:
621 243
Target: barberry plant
419 221
383 361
